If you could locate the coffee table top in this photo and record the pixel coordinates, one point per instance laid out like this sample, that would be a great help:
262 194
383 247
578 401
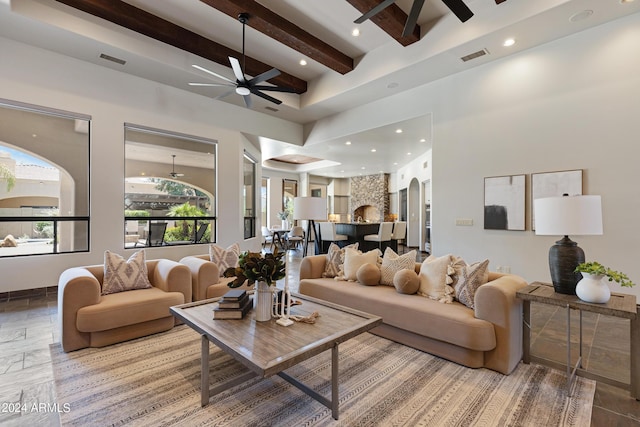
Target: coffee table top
268 348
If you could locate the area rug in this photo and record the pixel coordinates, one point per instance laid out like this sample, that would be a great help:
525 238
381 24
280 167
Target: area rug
155 381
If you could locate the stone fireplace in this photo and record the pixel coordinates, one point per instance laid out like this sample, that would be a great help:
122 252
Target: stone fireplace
369 200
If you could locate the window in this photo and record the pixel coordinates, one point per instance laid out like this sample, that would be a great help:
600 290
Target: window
249 196
44 180
289 191
170 182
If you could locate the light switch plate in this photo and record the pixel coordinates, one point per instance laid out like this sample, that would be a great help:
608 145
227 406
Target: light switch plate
464 221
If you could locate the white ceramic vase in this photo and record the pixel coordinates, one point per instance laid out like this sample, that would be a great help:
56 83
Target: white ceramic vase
591 288
263 301
285 224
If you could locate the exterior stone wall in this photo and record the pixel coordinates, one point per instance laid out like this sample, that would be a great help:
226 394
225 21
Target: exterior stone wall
370 190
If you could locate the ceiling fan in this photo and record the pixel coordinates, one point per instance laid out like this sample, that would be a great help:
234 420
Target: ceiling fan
457 7
243 86
173 174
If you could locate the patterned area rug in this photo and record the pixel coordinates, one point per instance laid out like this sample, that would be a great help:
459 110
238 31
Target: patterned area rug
155 381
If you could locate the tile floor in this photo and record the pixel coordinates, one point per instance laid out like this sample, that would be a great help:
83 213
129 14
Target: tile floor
28 326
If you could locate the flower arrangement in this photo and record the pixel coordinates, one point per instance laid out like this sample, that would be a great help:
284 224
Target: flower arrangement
283 215
594 267
253 266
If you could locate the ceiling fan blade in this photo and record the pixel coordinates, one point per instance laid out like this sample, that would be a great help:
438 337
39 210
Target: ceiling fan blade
237 70
247 100
412 19
459 9
197 67
374 11
274 88
265 96
212 84
274 72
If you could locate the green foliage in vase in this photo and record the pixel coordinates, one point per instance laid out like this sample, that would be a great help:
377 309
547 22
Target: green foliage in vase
254 266
594 267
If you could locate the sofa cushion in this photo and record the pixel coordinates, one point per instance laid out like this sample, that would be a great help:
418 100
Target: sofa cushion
125 275
452 323
406 282
468 279
392 263
368 274
354 259
224 258
435 279
335 256
127 308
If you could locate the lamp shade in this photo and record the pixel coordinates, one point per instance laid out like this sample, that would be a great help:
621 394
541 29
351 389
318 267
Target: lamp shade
568 215
314 208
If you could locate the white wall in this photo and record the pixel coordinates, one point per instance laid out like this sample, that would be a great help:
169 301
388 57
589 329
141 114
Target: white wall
44 78
571 104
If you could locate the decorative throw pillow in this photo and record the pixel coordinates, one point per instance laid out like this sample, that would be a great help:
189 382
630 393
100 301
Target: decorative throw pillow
368 274
121 275
335 255
470 278
392 263
435 279
224 258
354 259
406 282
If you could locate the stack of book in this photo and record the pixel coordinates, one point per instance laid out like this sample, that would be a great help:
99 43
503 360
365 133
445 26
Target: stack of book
233 305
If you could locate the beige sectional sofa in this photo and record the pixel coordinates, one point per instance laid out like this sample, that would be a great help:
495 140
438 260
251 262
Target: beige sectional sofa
488 336
89 319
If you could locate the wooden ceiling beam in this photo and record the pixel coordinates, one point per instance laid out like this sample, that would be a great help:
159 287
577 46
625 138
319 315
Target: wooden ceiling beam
391 20
140 21
287 33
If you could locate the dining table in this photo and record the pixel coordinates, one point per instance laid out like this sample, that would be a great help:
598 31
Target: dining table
280 237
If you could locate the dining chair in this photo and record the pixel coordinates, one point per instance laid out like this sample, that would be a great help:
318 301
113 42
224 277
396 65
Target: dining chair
295 237
328 234
267 237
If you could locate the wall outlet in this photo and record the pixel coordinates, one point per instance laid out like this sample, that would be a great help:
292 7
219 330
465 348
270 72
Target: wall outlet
464 221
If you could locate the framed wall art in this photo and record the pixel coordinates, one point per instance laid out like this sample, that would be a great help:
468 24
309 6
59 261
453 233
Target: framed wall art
504 202
550 184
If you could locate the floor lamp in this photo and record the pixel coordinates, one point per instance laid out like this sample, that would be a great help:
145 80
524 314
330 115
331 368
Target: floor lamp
310 209
561 216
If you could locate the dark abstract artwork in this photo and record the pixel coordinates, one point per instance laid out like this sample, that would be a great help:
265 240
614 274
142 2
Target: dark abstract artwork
504 202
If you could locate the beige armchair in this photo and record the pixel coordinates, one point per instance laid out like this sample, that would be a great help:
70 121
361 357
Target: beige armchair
205 278
89 319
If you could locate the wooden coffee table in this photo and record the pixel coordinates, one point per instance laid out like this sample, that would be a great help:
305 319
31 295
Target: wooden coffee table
268 349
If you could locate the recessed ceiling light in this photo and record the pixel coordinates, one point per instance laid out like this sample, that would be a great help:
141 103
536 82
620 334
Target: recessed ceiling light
395 164
509 42
348 143
626 1
303 62
398 130
355 32
423 140
34 135
363 167
373 150
581 15
408 154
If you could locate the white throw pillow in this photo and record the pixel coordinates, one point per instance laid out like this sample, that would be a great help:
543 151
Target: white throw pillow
224 258
354 259
435 279
392 263
121 275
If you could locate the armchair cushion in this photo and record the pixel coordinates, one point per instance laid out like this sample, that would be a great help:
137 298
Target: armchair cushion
224 258
121 275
